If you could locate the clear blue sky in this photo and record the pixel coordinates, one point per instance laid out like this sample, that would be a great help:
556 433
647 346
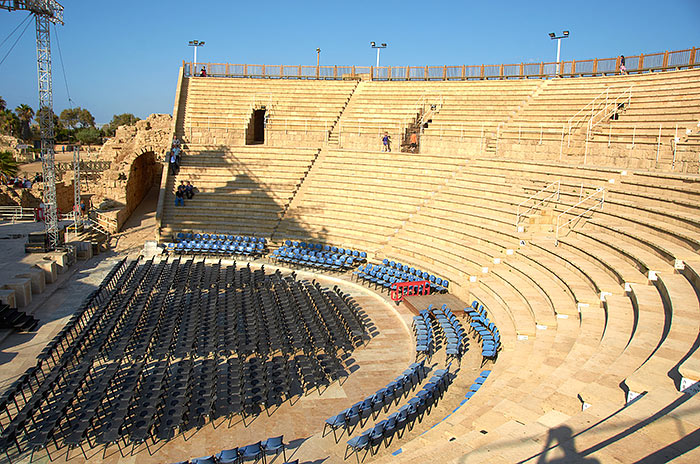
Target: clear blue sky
123 56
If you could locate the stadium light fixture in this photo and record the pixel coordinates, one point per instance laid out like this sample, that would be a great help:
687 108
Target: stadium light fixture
378 47
553 36
195 44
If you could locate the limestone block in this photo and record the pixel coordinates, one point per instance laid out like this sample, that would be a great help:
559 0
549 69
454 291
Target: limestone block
50 269
7 297
23 290
37 278
61 259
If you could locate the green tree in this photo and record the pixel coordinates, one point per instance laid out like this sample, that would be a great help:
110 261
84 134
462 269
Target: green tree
8 165
25 113
124 119
89 136
76 118
3 104
9 123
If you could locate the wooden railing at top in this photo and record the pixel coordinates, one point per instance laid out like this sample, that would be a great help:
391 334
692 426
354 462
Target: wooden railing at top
677 59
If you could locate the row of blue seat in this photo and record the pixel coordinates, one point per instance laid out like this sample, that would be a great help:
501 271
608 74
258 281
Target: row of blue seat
385 276
320 259
216 247
416 407
372 405
489 336
325 248
188 236
475 386
417 273
425 337
256 451
455 335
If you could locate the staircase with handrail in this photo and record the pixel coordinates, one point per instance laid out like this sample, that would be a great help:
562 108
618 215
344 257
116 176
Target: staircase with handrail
601 108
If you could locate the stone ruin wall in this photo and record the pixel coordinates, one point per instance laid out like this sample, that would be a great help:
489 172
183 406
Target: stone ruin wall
137 153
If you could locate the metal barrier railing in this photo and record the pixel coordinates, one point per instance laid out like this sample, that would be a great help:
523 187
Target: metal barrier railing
554 193
17 213
401 289
596 199
676 59
102 222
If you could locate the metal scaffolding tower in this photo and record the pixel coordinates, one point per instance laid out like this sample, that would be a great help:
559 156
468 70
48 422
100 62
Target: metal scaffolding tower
77 212
45 13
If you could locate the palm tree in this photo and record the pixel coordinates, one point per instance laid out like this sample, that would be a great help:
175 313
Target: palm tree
3 105
8 165
25 113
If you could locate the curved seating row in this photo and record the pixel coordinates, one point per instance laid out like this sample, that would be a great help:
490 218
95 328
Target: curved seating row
385 276
254 451
421 404
456 343
487 332
328 260
216 248
425 338
373 404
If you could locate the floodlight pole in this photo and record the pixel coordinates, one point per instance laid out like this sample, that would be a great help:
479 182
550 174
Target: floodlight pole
195 44
378 47
558 38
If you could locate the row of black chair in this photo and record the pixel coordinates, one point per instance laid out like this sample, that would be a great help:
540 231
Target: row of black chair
162 347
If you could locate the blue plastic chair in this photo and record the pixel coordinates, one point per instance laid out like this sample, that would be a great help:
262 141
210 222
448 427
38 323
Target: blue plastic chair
275 445
229 456
252 452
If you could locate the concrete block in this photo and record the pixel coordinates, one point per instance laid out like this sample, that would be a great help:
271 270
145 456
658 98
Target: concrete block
7 296
37 278
23 290
84 250
50 269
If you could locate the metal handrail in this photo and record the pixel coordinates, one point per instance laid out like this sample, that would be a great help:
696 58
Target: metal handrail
596 107
598 202
615 105
584 111
532 197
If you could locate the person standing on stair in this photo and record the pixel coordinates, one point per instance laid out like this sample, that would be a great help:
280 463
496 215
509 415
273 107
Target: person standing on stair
180 195
413 142
386 142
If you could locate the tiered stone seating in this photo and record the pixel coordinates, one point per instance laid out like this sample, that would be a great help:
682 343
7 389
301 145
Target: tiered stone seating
666 100
644 339
659 100
471 113
240 190
219 110
360 199
458 110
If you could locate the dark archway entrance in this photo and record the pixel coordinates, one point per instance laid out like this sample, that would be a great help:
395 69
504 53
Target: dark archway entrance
144 173
256 128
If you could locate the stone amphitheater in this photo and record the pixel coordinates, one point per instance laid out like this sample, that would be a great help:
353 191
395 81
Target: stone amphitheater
565 210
